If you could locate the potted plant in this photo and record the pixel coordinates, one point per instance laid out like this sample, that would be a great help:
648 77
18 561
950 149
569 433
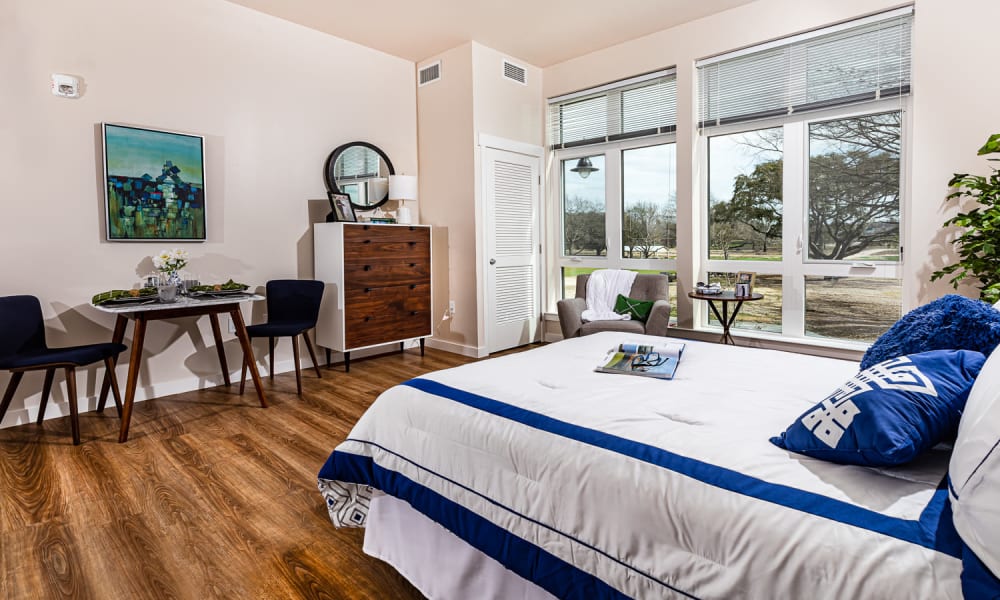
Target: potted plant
978 246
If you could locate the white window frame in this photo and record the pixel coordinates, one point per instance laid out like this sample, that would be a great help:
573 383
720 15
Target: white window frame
794 265
613 209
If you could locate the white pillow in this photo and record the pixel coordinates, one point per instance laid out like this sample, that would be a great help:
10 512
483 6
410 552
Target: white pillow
974 470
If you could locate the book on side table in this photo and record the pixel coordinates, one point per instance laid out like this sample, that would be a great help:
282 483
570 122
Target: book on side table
659 361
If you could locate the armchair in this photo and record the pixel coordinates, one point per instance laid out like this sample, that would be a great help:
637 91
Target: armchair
646 287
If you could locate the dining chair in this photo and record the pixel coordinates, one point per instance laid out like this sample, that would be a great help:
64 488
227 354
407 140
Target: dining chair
292 310
23 349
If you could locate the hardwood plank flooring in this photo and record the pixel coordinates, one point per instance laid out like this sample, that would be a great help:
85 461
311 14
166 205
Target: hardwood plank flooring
211 497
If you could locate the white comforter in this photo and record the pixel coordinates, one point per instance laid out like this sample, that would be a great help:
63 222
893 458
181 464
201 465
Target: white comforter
652 488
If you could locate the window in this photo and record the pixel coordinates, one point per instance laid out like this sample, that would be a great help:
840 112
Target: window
617 163
804 148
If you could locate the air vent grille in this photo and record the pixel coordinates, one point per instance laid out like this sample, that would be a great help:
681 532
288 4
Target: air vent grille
515 72
429 74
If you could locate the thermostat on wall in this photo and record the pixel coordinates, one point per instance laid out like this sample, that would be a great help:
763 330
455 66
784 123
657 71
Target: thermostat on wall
66 86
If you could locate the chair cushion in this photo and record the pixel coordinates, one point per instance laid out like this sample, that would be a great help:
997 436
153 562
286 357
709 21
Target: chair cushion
75 355
951 322
279 329
890 413
637 309
624 326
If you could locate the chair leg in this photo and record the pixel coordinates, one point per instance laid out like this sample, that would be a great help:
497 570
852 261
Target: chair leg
312 353
243 375
73 410
109 374
46 390
270 358
298 371
8 395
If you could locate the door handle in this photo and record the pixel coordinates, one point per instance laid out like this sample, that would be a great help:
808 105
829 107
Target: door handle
493 261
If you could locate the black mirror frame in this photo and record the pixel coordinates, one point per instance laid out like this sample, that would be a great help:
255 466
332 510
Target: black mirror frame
331 181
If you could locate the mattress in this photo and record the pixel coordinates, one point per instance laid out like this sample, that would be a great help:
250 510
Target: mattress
602 485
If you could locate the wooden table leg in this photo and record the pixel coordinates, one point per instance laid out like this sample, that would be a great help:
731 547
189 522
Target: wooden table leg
241 333
217 332
138 335
116 338
312 353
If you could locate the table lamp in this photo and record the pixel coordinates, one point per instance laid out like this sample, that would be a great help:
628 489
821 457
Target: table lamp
403 188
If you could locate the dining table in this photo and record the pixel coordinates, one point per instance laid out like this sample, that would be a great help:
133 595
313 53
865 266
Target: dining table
142 311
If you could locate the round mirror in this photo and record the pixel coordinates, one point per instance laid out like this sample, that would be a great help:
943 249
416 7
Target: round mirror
361 171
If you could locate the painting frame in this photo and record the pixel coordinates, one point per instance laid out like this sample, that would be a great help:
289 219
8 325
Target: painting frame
154 184
747 278
341 208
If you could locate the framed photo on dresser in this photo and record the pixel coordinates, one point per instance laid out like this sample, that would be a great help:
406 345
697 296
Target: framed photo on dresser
342 211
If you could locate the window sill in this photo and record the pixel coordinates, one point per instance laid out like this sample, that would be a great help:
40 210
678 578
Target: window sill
841 349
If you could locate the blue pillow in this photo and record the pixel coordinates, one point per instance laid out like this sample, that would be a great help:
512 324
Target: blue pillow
949 323
890 413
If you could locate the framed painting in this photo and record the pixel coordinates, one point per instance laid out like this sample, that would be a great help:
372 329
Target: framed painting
154 185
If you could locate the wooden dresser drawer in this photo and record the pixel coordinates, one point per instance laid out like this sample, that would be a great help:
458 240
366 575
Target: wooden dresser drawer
379 272
367 242
381 315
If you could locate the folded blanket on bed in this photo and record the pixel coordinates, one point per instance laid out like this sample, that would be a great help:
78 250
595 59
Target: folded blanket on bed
603 288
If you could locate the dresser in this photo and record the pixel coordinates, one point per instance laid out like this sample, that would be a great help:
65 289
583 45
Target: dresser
378 285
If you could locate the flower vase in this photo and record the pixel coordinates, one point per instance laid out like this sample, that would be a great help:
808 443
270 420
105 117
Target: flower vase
174 279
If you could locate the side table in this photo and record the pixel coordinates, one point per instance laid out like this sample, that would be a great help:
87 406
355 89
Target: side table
726 318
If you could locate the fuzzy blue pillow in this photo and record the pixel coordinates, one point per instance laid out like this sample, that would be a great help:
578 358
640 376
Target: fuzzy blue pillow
890 413
952 322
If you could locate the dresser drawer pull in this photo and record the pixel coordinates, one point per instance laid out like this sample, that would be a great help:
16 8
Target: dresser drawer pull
413 265
366 227
366 241
367 319
412 228
413 244
368 290
413 313
368 267
413 286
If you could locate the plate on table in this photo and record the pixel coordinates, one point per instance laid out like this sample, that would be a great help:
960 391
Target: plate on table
130 300
218 293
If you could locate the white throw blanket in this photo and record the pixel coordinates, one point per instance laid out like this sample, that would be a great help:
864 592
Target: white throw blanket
603 288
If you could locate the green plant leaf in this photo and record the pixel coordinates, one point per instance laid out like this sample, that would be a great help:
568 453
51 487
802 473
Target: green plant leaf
992 145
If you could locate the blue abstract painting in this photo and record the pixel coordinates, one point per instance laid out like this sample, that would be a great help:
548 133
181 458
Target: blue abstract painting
154 184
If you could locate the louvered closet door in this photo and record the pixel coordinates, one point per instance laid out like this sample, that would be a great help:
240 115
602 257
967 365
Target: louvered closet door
512 191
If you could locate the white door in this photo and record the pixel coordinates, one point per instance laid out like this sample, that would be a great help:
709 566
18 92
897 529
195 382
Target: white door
511 183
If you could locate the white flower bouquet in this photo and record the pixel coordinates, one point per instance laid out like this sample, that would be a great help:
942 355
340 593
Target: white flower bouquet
168 261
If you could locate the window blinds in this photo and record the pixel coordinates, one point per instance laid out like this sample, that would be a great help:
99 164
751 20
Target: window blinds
640 106
859 61
357 162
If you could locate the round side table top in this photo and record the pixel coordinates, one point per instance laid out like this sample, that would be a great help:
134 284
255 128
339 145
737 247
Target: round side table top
726 297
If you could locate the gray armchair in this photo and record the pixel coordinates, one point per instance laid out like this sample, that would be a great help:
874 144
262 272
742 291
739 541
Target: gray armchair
646 287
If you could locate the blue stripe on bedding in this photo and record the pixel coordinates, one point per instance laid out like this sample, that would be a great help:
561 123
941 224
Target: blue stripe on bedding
934 529
524 558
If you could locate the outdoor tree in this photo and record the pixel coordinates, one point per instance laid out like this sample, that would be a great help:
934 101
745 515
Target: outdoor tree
756 202
584 230
648 228
853 203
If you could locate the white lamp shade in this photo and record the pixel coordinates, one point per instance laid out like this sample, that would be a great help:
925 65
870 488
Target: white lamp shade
402 187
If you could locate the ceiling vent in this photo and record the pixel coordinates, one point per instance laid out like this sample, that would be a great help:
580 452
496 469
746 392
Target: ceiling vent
429 74
515 72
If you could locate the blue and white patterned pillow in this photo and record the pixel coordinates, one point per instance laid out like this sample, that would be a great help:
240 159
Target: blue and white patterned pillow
889 413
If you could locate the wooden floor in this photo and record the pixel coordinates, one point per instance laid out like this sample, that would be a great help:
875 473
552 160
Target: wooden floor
211 497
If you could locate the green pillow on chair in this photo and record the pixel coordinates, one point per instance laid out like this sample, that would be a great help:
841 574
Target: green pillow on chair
638 309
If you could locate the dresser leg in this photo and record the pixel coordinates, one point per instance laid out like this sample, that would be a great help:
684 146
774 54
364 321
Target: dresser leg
327 358
347 362
421 346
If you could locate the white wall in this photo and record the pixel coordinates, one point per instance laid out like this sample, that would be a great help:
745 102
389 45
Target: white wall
471 98
954 106
271 98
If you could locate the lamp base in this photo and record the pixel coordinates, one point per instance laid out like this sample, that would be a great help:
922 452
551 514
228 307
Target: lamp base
403 215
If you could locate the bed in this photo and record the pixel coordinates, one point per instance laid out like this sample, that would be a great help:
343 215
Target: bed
530 475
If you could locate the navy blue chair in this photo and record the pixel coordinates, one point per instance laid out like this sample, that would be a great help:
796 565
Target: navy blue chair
23 348
292 310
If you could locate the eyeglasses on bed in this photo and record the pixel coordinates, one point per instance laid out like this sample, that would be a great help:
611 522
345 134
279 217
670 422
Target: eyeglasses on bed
647 361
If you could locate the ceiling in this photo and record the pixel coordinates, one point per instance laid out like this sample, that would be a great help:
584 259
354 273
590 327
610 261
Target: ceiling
539 32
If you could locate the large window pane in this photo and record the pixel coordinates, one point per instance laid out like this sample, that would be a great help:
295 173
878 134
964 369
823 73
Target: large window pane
745 195
649 194
761 315
584 232
854 188
851 308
